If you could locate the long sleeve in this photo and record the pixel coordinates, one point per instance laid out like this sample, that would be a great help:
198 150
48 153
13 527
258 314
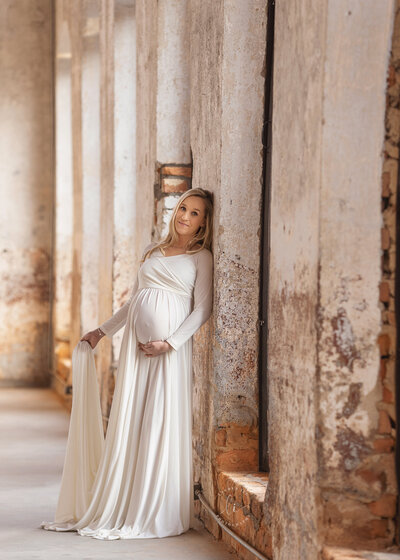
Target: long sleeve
118 320
202 301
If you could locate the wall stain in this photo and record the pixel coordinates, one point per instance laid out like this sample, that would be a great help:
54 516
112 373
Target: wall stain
352 448
343 339
353 400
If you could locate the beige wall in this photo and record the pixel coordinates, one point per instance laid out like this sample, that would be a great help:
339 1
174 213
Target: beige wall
26 179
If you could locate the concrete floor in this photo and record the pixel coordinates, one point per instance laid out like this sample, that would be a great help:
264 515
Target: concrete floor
33 434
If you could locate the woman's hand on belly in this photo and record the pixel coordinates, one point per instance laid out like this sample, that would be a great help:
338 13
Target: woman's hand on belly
154 348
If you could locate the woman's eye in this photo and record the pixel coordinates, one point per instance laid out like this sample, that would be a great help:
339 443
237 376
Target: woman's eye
195 213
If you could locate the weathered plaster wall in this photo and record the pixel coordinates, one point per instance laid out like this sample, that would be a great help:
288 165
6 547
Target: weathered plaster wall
125 156
63 212
291 504
26 179
324 277
205 133
227 103
350 258
173 106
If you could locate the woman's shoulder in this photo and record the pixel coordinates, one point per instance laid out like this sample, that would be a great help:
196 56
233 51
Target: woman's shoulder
204 256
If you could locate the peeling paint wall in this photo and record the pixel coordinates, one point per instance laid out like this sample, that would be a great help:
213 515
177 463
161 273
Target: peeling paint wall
291 504
349 273
324 278
26 179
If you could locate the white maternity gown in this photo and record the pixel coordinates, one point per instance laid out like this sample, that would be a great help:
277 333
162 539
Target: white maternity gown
143 487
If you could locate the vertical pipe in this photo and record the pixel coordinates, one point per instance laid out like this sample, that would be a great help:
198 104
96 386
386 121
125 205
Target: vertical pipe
265 241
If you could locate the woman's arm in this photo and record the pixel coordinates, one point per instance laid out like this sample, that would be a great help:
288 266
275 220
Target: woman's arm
202 305
118 320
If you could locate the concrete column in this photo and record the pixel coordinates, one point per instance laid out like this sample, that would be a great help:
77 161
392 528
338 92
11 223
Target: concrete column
173 106
125 189
146 88
75 26
26 179
106 190
91 248
63 201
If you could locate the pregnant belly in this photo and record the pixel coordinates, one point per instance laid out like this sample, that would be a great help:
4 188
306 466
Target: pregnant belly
157 314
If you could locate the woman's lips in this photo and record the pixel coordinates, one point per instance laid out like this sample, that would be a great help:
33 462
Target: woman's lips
183 224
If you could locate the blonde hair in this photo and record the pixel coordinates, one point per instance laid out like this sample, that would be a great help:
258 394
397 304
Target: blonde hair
202 237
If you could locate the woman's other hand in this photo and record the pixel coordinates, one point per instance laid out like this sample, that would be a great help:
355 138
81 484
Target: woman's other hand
93 337
154 348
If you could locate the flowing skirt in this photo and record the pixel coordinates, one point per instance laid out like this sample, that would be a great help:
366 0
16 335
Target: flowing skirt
140 483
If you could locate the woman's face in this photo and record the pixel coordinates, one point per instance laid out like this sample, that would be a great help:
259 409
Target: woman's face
190 216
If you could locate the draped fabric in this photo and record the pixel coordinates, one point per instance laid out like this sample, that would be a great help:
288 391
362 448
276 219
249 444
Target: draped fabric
139 483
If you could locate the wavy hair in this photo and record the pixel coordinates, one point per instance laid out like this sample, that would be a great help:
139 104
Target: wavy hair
203 235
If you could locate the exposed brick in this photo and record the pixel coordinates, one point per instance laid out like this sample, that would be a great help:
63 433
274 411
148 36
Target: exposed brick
384 344
384 426
382 370
238 458
377 528
369 475
256 507
385 239
384 445
387 395
170 185
384 292
384 507
175 170
385 184
391 79
220 438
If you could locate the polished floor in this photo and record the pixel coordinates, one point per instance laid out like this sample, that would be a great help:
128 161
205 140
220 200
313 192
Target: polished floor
33 435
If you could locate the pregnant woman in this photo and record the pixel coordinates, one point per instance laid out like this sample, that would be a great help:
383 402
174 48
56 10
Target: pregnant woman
143 487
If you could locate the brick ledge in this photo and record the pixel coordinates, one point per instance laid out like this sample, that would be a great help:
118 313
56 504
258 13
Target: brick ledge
334 553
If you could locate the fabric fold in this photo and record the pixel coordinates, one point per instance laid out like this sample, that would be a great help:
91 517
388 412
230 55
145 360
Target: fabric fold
85 440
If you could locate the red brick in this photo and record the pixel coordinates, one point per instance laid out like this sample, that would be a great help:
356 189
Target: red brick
387 395
391 79
256 507
384 426
392 318
238 459
171 185
378 528
384 292
385 184
220 438
175 170
384 344
385 239
382 370
384 445
384 507
369 476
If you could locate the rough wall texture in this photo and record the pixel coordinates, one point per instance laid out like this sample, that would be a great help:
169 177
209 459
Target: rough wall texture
291 505
349 276
227 96
205 133
26 179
